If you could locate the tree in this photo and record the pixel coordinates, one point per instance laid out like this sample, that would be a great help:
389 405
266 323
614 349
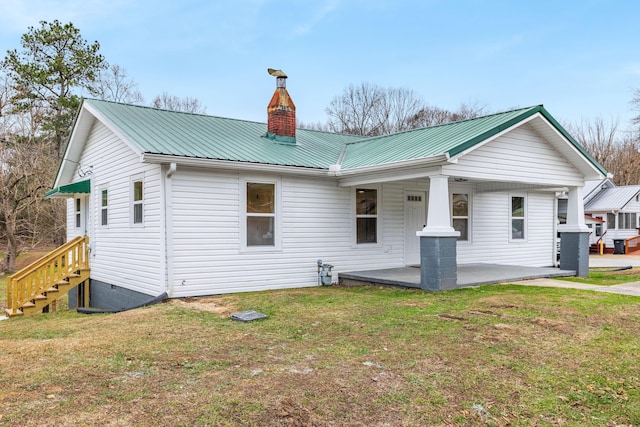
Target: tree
26 162
617 152
173 103
113 84
432 116
54 63
371 110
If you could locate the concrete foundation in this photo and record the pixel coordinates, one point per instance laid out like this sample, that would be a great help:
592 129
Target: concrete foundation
574 252
109 297
438 264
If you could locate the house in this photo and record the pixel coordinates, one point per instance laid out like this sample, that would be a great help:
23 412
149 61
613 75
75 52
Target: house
613 209
194 205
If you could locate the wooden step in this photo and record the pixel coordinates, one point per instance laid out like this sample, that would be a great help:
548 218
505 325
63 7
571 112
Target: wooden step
12 314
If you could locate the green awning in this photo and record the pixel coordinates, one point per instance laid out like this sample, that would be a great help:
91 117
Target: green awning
69 190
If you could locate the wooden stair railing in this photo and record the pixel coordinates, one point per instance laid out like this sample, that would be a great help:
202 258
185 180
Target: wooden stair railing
41 284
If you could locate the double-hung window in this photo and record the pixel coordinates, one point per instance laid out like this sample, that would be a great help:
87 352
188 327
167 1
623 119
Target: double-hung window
137 201
518 218
460 215
78 211
104 207
366 215
261 214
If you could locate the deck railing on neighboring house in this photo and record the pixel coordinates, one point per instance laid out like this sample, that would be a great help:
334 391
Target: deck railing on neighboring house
40 284
632 244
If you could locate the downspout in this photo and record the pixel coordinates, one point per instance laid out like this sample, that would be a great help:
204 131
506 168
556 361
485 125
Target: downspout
168 215
556 263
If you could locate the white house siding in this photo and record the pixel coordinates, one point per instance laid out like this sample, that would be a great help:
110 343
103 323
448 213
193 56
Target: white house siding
317 223
632 207
121 254
504 160
491 229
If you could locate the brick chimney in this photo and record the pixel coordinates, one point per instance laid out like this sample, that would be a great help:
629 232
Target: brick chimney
281 111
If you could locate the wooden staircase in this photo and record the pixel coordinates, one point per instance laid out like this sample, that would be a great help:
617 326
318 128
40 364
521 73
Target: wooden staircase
38 286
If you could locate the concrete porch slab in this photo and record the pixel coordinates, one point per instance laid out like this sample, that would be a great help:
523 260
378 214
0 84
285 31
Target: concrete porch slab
468 275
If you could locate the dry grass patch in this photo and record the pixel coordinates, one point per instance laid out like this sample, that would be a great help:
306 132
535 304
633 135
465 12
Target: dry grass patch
501 355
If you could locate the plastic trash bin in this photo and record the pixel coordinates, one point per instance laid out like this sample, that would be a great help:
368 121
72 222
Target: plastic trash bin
618 246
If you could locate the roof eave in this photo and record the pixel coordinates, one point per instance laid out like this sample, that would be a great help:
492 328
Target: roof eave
158 158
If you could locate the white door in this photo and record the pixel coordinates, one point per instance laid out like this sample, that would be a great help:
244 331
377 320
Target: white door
415 218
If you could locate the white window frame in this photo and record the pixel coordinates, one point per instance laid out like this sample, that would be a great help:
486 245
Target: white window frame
277 214
468 217
525 218
133 202
102 208
77 212
377 216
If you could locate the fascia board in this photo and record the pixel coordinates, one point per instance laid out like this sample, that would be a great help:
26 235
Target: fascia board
80 130
116 131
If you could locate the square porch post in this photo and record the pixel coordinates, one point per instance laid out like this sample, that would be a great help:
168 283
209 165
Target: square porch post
574 236
438 257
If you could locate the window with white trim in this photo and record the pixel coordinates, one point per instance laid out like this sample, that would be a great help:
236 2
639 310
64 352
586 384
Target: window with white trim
366 215
78 212
261 214
104 207
518 217
611 221
627 221
137 201
460 215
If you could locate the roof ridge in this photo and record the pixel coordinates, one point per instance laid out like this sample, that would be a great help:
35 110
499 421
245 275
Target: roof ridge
164 110
373 138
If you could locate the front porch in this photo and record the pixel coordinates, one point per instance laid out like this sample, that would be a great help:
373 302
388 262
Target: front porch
468 275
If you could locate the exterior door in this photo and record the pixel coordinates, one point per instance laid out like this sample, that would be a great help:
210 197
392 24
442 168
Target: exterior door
415 218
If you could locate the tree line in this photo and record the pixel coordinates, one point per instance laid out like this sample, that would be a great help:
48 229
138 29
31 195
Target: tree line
40 91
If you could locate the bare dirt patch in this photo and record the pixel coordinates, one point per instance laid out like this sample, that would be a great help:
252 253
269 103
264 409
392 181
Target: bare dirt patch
224 306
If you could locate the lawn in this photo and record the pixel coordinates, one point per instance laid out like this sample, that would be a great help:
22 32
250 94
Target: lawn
329 356
607 276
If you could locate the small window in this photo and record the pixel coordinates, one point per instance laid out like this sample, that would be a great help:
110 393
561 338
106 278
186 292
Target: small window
366 215
138 202
611 221
517 218
78 212
104 208
261 214
460 215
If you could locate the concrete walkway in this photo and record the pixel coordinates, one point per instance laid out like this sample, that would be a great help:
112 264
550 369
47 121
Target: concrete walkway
631 288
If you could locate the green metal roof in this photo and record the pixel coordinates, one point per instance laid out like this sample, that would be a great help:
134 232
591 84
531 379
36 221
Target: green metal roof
82 187
156 131
192 135
450 139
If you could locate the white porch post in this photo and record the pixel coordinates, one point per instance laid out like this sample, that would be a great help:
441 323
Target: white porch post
439 219
574 236
438 257
575 213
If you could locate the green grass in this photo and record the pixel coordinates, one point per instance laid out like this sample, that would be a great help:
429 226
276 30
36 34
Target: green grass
606 278
492 355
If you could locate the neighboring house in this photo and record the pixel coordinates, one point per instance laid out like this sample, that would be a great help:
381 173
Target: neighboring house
196 205
614 208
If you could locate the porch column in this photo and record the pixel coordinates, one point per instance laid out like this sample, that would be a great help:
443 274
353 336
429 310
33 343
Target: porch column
574 236
438 259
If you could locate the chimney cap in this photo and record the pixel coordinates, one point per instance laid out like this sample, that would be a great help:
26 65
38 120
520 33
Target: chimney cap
276 73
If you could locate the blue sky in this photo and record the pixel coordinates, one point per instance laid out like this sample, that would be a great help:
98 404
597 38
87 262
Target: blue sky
578 58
